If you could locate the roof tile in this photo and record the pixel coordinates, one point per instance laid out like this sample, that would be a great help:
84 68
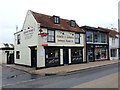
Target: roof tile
47 21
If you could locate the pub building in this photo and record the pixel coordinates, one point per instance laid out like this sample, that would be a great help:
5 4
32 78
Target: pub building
97 43
47 41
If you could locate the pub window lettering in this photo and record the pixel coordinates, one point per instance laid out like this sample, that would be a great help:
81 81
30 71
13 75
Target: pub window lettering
77 38
51 36
18 39
17 54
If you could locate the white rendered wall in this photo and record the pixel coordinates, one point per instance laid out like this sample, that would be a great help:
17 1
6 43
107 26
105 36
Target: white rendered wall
29 37
61 56
3 56
114 45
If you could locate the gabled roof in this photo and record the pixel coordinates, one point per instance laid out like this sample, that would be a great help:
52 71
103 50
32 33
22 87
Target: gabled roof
6 45
47 22
113 34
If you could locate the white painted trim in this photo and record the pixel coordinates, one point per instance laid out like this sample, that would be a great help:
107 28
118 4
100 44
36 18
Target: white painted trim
61 56
69 56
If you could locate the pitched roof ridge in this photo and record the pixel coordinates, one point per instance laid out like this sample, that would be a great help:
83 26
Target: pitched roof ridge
46 21
67 20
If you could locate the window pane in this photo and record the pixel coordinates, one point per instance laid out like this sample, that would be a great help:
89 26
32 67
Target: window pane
77 38
89 36
113 52
18 39
97 37
51 35
103 38
100 53
52 56
77 56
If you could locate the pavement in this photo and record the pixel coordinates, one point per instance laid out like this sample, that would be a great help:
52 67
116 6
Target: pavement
18 67
64 69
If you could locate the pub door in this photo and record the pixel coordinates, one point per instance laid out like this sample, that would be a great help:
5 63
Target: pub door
90 54
33 57
65 56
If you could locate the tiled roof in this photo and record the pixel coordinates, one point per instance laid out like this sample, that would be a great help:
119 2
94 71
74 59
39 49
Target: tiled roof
6 45
112 33
47 21
94 29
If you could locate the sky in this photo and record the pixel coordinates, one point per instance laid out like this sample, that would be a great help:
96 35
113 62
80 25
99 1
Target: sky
103 13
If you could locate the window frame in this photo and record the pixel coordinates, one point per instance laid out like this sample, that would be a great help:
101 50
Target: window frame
77 38
113 52
78 57
50 35
98 38
87 37
18 39
56 19
17 54
72 23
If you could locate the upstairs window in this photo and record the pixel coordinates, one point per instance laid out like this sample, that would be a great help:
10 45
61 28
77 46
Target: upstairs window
113 41
77 38
18 39
51 36
89 36
103 38
56 19
97 38
72 23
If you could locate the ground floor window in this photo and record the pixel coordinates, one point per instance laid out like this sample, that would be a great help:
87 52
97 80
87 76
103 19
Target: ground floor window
52 56
113 52
100 53
17 54
76 55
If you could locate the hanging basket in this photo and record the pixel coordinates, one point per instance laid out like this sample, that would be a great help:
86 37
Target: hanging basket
44 34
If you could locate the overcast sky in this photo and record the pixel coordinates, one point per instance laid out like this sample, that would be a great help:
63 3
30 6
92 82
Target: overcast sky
94 13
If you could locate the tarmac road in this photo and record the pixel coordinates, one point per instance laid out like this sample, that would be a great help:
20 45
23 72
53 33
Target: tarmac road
12 76
72 80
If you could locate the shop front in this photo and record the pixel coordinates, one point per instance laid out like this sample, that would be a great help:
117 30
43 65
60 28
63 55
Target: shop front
52 57
70 55
97 52
101 52
76 55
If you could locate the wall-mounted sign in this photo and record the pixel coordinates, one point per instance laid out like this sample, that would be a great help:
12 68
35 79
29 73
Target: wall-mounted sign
29 32
65 38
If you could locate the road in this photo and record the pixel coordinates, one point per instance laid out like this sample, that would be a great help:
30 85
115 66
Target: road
107 74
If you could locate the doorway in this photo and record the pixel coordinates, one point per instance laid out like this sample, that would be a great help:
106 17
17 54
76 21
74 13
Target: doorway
9 57
33 57
65 56
90 54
